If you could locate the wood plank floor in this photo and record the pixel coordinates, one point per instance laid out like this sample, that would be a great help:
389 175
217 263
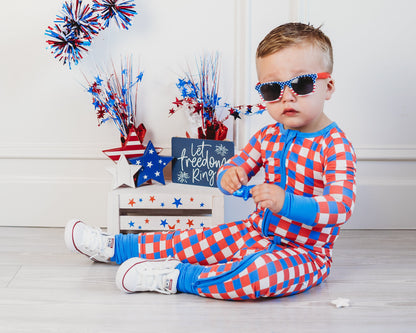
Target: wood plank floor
46 288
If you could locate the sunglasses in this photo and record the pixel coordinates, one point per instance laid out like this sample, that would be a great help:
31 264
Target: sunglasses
300 86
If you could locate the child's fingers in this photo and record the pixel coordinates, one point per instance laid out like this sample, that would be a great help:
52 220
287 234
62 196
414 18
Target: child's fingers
242 176
231 181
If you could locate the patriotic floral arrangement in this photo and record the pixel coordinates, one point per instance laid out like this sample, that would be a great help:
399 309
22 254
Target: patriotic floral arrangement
77 25
201 103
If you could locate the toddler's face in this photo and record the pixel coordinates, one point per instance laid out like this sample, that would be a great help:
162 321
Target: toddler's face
302 113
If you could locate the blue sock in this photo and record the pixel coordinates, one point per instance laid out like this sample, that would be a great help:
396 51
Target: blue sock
188 275
126 247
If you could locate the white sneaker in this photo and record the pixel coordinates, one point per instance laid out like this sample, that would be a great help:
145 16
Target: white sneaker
138 274
92 242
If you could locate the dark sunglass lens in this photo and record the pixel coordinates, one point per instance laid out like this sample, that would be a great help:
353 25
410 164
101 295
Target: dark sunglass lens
270 91
303 85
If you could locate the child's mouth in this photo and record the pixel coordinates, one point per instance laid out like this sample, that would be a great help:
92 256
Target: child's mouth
290 112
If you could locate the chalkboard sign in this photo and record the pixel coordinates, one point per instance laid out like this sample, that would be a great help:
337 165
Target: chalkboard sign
196 161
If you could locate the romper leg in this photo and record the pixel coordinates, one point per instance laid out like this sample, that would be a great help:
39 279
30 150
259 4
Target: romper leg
268 273
204 246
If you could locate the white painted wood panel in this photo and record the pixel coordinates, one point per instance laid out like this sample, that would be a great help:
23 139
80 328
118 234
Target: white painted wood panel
51 165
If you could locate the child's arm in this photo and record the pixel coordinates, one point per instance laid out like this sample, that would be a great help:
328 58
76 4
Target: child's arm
335 205
241 167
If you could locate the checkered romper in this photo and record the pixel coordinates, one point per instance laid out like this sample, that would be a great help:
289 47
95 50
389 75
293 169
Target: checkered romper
270 255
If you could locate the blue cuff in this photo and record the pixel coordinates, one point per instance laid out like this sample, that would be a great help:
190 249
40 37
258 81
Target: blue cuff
300 209
219 177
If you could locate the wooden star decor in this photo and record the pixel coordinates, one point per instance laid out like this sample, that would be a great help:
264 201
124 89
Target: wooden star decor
151 164
123 173
131 148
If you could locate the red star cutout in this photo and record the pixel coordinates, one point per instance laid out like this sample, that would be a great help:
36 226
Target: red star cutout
191 199
146 221
190 223
261 106
178 102
152 198
178 221
132 202
171 226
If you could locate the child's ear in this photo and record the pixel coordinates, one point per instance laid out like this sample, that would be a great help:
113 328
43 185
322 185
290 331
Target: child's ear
330 88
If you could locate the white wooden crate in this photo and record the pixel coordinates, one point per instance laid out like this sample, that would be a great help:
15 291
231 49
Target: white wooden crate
164 207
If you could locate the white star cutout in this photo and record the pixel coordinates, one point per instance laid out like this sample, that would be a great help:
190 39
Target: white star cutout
341 302
123 173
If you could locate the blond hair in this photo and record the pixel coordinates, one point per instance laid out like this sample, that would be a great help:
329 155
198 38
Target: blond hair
290 34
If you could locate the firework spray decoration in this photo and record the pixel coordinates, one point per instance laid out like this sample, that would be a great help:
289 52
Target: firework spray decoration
120 11
202 104
77 25
114 96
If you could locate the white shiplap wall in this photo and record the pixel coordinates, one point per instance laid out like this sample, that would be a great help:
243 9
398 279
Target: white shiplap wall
51 166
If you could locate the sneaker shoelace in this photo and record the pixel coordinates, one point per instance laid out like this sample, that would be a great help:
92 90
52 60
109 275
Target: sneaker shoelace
94 241
155 280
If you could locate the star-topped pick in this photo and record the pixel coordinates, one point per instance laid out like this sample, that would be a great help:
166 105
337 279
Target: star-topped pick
123 173
151 165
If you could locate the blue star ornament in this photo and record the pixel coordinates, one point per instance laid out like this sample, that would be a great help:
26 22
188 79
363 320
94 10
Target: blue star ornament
152 165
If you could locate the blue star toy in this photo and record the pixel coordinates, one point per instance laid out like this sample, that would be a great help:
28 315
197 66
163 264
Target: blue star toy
152 165
244 192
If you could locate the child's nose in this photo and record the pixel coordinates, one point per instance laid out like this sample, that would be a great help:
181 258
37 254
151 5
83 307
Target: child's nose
288 94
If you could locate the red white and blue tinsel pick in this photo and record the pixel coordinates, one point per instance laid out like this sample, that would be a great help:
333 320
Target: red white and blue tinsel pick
78 20
200 100
121 11
72 32
115 95
65 46
78 24
151 165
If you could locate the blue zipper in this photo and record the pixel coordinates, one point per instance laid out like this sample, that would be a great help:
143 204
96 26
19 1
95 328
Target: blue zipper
210 281
267 216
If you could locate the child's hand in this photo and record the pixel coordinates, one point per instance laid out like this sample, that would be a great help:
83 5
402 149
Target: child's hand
269 196
233 178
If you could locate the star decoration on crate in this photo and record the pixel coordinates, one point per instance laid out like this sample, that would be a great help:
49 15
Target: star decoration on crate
163 223
152 165
123 173
177 202
131 148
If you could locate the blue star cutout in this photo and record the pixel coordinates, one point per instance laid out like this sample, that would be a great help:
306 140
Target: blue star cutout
177 202
139 77
152 165
202 204
98 80
163 223
131 224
